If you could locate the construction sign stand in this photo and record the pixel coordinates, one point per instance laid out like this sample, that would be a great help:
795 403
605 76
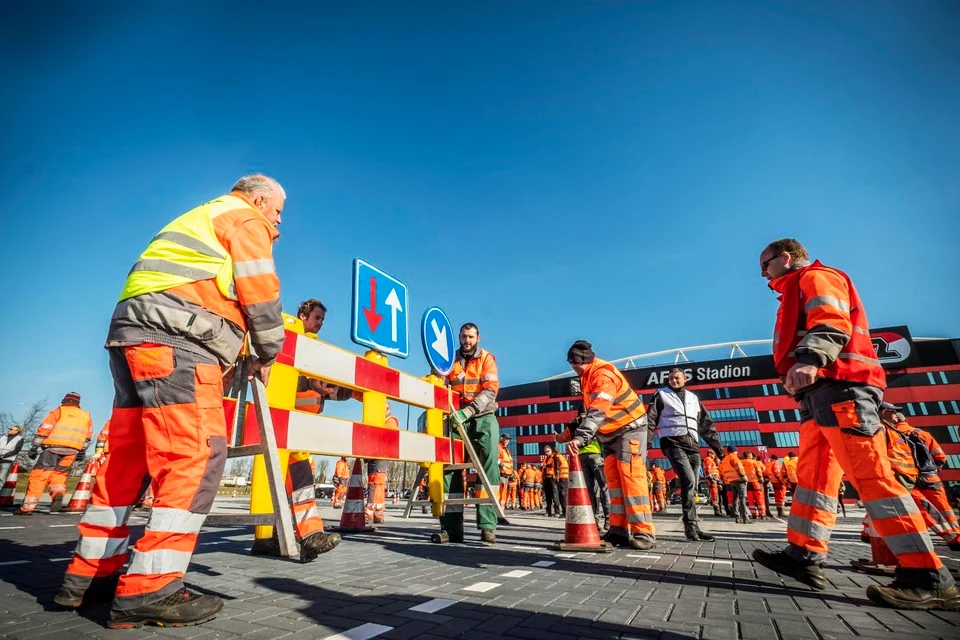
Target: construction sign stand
281 518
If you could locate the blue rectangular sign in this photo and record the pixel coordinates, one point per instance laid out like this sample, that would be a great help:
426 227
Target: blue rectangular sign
380 305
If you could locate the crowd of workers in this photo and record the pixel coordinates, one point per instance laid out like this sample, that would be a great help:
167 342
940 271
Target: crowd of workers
207 281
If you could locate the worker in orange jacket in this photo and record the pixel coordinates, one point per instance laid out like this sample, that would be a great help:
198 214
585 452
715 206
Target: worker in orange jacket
202 285
789 471
756 486
659 491
529 480
341 476
734 476
822 348
505 463
102 448
61 439
617 418
928 487
711 471
551 482
375 509
773 473
538 489
512 492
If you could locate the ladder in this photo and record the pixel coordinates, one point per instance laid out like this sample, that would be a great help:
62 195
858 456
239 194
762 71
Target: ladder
472 462
281 518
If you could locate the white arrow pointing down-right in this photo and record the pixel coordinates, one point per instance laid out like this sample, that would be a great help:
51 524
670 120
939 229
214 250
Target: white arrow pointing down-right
440 344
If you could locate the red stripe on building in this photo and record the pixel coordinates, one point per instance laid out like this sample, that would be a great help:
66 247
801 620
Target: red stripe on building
375 442
372 376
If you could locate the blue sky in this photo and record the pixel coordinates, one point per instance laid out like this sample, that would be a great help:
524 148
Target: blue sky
550 171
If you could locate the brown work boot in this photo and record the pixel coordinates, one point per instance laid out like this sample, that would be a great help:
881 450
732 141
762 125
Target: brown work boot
488 536
901 596
56 505
266 546
182 609
642 543
316 543
100 589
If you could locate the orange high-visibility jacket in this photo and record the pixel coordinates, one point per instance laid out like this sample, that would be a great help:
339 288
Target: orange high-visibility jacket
476 380
530 475
342 470
935 450
504 456
609 401
103 443
563 467
900 454
659 477
66 426
772 471
753 469
549 467
539 477
819 306
710 468
790 469
731 468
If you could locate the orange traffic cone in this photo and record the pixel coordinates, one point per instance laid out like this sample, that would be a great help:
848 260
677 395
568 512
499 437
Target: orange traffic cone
396 497
581 533
882 561
352 516
81 495
9 486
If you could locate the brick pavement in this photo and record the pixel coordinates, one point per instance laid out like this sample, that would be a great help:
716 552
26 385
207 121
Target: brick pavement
395 584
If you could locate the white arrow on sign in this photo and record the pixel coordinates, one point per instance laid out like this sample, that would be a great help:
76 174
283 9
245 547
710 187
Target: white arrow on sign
440 344
393 301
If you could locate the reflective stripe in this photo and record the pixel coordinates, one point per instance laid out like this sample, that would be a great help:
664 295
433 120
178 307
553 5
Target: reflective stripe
305 494
307 402
90 548
810 529
616 493
864 332
819 301
306 515
253 267
191 243
601 395
816 500
853 356
489 378
639 517
106 516
159 561
894 507
172 268
909 543
636 500
618 509
175 520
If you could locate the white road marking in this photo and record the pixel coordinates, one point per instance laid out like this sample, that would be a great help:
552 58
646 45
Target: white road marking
10 562
61 559
565 555
481 587
713 561
61 525
363 632
515 574
636 555
432 606
12 528
543 563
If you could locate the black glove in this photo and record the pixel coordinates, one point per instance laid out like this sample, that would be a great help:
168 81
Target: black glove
81 456
33 453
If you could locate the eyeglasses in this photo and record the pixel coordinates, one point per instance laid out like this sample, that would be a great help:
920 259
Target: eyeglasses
763 265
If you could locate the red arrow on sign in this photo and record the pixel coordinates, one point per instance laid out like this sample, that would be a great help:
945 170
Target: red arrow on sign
373 318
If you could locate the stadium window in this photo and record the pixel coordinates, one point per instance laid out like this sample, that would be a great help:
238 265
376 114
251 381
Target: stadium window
909 407
787 438
772 418
930 377
561 447
954 431
923 408
783 418
943 377
953 405
776 389
943 408
766 391
953 461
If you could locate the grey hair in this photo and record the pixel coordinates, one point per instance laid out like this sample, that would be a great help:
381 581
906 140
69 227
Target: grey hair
259 184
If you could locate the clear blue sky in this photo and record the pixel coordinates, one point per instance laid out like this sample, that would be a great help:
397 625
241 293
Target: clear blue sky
550 171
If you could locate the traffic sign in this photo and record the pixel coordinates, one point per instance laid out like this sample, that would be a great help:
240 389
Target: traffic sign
380 306
437 335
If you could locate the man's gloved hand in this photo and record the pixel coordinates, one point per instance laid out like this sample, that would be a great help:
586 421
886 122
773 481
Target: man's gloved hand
460 417
81 455
33 453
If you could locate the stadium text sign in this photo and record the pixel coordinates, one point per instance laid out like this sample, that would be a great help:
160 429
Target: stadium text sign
702 374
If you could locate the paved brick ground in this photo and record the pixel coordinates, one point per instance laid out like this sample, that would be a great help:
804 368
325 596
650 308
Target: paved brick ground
394 584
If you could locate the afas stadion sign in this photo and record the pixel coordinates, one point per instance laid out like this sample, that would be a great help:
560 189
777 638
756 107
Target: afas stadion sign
894 348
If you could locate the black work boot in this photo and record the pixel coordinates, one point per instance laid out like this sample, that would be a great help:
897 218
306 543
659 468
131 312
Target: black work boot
616 539
100 589
900 596
266 546
488 536
690 530
641 543
444 537
809 574
704 536
182 609
316 543
56 505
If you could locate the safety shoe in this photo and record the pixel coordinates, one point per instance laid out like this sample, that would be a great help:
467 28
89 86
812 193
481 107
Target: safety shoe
809 574
642 543
56 505
616 539
488 536
266 546
704 536
900 596
182 609
100 589
444 537
378 519
316 543
690 531
21 512
606 523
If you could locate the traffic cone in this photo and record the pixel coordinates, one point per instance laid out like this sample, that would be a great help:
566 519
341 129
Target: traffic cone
81 495
396 497
352 516
581 533
9 486
882 561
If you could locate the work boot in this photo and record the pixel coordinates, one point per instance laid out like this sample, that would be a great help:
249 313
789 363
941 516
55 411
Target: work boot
809 574
606 523
182 609
901 596
266 546
378 519
56 505
704 536
488 536
100 589
779 512
690 530
616 539
316 543
747 521
444 537
716 511
21 512
642 543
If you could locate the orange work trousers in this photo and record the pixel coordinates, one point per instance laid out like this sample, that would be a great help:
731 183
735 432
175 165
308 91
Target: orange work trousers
755 501
942 515
302 495
504 493
376 509
168 425
512 496
779 495
714 492
626 472
840 433
340 493
50 470
659 497
526 495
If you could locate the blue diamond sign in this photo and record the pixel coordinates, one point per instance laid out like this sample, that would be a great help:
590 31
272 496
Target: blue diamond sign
437 335
380 306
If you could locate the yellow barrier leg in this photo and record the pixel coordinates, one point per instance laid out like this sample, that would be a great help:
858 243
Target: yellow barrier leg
260 500
434 425
374 403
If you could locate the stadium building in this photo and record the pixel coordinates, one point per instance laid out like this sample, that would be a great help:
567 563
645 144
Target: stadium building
746 399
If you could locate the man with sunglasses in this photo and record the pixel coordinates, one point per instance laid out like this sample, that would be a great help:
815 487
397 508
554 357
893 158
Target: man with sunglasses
822 348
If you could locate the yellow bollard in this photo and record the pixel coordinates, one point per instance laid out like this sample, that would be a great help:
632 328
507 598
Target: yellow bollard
434 425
